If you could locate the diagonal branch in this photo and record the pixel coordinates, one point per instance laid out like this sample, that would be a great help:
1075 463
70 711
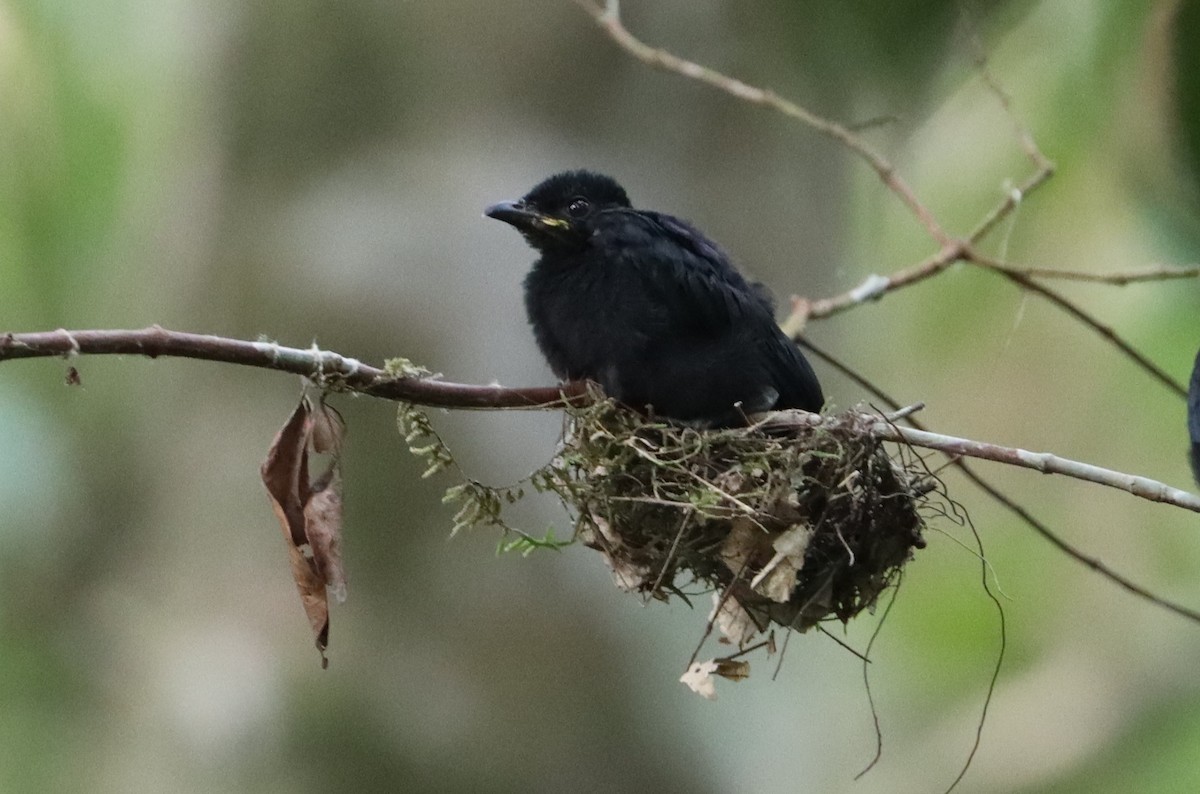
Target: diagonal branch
609 19
1024 135
872 288
952 250
968 471
1023 280
1119 279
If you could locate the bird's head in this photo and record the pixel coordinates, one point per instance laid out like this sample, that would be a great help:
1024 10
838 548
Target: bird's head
561 211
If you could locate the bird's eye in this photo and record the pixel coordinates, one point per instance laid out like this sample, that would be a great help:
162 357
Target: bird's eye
578 207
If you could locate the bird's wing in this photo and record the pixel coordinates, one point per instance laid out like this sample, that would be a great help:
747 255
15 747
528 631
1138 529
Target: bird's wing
793 375
697 281
702 290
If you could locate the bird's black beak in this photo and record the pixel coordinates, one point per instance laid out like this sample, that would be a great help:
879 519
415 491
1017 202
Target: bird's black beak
511 212
523 217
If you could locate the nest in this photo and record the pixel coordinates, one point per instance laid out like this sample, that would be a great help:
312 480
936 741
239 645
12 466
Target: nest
788 523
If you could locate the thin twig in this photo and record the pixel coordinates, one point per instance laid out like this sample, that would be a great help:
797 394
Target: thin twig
609 19
1011 201
1042 165
991 689
1119 279
866 671
845 645
875 286
1023 133
872 288
1003 499
1018 276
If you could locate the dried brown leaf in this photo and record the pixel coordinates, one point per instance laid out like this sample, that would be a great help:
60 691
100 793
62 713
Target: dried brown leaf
310 514
285 474
313 597
328 429
732 619
323 525
777 579
741 545
733 669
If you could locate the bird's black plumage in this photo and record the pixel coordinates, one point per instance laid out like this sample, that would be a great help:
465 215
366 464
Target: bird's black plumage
651 309
1194 418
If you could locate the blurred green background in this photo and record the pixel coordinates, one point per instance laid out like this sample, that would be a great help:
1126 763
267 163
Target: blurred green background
316 170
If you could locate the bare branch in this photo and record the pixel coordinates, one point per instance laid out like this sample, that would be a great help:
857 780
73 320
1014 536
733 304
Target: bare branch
609 19
1011 201
335 371
324 366
1043 167
1007 502
1024 136
1045 462
872 288
875 286
1120 279
1018 276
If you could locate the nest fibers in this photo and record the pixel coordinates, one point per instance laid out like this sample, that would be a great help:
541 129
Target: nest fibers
788 523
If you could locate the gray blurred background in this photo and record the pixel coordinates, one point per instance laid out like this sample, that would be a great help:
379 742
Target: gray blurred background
316 170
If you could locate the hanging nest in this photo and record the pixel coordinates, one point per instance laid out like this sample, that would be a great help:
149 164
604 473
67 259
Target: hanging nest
787 523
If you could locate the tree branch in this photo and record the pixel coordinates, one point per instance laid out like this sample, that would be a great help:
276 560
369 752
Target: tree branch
872 288
1010 504
1045 462
1119 279
952 250
337 372
609 18
330 369
1021 279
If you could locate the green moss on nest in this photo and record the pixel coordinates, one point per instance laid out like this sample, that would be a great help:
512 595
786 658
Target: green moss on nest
798 523
792 523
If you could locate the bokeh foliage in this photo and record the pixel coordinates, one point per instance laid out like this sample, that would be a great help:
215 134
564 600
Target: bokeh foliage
317 170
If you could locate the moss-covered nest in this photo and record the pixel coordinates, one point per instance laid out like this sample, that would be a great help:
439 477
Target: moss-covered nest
788 523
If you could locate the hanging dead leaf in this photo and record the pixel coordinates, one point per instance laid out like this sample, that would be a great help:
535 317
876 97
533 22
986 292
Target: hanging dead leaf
733 669
310 513
285 474
328 429
323 526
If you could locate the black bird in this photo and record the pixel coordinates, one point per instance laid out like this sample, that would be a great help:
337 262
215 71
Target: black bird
1194 418
651 309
